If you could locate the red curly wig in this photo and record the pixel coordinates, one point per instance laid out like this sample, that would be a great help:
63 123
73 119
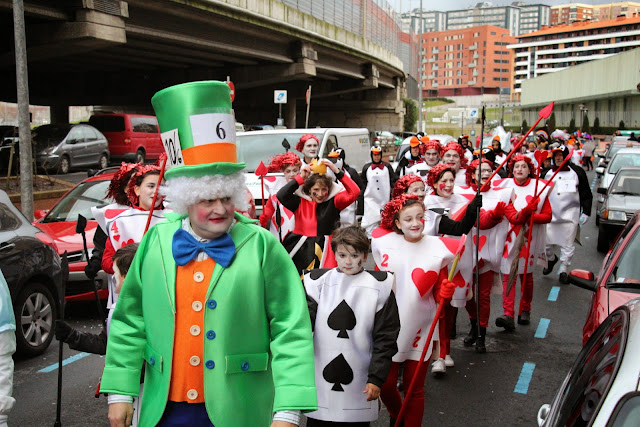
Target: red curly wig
458 148
118 187
280 162
403 184
521 157
436 172
472 169
303 139
392 209
432 144
136 180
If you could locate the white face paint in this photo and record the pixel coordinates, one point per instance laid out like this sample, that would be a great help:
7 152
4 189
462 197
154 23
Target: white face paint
444 186
432 157
349 260
452 158
411 222
418 189
310 149
521 171
290 172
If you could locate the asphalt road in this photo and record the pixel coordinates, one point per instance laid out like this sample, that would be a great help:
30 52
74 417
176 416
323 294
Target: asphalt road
481 390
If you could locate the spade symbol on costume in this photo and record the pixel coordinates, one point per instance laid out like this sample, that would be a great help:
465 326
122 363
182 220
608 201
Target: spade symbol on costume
338 372
342 319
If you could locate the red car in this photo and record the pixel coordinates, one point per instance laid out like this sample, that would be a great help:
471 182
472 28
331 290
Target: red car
618 280
60 224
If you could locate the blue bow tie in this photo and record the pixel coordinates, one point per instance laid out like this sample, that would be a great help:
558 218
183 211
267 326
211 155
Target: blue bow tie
185 248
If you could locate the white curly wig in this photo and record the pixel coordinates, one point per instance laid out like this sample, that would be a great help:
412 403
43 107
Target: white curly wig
181 192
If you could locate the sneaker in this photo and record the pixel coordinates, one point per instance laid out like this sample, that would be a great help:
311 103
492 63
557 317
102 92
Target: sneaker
506 322
448 361
564 278
550 264
524 318
438 368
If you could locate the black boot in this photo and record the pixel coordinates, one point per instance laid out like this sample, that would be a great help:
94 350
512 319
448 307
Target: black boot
392 422
472 336
480 346
452 332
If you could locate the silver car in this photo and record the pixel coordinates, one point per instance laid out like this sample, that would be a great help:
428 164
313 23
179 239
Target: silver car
622 200
602 388
61 147
623 157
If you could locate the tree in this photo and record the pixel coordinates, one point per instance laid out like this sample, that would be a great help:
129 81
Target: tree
585 124
621 126
525 126
572 125
551 122
596 126
411 115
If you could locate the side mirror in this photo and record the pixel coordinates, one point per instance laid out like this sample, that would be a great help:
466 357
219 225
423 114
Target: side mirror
583 279
40 213
600 171
543 413
602 190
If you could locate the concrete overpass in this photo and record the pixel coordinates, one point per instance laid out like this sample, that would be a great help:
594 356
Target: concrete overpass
118 54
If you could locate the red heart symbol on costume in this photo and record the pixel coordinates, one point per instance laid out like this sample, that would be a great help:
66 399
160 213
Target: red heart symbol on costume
281 220
481 264
270 178
459 280
112 213
483 240
529 198
289 213
379 232
452 244
424 280
128 242
116 237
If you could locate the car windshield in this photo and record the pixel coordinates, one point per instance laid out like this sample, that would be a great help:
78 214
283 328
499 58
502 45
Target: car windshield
626 183
79 201
49 135
626 159
626 273
256 147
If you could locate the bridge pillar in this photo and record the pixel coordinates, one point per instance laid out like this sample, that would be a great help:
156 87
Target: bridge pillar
59 113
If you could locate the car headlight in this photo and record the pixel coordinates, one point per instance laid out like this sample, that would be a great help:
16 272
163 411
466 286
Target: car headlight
616 215
47 150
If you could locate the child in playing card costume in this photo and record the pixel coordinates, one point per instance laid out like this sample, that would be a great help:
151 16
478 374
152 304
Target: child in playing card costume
493 232
519 214
212 304
275 217
356 324
420 264
316 203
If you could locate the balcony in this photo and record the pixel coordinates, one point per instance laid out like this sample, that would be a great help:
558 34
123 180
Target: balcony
473 47
475 73
432 60
435 50
471 82
475 55
434 84
473 65
434 67
431 76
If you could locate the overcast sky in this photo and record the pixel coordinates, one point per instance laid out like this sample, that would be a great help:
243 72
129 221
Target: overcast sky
464 4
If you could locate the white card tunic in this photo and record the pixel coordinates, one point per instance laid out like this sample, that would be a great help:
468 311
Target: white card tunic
347 306
287 220
376 195
565 207
418 268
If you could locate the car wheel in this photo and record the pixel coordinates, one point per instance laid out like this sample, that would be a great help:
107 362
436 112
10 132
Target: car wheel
35 310
603 240
140 157
103 163
65 165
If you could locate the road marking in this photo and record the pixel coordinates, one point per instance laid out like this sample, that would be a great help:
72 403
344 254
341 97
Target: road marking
522 386
553 293
541 332
65 362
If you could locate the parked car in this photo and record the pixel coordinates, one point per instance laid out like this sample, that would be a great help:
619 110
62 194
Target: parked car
60 224
622 200
131 137
59 147
384 138
616 144
618 280
249 128
623 157
602 387
8 137
35 274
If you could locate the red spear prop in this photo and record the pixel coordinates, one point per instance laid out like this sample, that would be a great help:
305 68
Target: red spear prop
261 171
545 113
414 379
155 194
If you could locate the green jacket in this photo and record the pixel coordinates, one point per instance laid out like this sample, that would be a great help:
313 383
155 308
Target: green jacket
263 347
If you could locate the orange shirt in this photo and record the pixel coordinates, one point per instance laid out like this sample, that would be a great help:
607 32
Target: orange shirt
187 379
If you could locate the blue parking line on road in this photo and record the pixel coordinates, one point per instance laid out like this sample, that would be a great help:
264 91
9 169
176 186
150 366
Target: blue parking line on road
526 374
541 332
553 293
65 362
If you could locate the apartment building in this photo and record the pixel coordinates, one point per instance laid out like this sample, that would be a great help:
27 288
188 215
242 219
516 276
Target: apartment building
466 62
427 21
605 12
485 14
563 46
568 13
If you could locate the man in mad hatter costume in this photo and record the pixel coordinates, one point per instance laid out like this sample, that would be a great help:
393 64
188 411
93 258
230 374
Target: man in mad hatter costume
212 304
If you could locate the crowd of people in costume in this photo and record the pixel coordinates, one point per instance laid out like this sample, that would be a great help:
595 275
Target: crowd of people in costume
241 323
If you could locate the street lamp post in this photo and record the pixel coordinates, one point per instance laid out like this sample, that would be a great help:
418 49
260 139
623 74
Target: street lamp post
500 94
420 68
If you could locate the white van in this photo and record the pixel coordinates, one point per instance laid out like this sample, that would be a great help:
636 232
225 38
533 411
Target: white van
254 147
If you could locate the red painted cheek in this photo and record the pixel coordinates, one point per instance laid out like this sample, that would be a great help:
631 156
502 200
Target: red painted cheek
202 214
442 187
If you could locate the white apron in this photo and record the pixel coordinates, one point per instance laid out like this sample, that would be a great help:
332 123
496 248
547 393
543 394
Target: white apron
565 205
376 195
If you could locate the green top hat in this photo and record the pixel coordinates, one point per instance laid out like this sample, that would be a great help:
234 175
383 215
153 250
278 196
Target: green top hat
200 117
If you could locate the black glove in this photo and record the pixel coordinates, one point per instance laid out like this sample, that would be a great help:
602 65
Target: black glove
475 203
63 330
92 268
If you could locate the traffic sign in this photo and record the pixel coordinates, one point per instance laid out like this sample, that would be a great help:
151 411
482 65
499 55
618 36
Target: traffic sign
473 113
279 96
232 88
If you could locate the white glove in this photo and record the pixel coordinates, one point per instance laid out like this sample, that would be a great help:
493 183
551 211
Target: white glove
583 219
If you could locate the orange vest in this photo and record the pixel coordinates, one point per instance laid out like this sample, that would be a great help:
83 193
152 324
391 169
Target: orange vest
187 379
